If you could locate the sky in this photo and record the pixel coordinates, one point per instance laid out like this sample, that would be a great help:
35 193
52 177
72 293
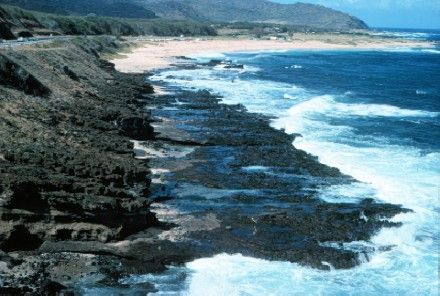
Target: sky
418 14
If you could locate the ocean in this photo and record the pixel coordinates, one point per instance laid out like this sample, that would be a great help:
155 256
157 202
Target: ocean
374 115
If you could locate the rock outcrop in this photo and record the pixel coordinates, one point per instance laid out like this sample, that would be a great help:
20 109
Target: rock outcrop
15 76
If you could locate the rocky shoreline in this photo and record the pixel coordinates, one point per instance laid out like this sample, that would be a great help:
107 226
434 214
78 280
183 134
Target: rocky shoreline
260 190
66 162
102 179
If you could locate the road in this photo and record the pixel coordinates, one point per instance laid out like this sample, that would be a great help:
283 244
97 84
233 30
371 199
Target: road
30 41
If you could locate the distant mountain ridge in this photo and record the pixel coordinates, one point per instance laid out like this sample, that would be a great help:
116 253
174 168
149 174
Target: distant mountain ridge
301 14
262 11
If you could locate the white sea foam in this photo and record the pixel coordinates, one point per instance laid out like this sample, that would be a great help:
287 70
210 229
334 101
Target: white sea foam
255 168
230 275
435 51
234 90
408 35
328 105
421 92
412 50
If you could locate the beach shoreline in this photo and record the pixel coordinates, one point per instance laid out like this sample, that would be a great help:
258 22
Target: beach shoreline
150 54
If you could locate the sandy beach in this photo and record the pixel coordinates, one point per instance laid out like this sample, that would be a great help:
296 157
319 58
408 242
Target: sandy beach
152 54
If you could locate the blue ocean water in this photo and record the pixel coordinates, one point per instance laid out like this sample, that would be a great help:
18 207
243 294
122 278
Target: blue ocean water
372 114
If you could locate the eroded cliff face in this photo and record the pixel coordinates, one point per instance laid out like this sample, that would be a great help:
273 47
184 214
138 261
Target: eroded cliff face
67 170
5 26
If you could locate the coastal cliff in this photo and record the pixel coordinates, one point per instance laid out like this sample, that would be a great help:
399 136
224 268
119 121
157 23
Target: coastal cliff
66 161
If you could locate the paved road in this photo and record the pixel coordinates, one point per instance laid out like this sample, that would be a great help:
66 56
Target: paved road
29 41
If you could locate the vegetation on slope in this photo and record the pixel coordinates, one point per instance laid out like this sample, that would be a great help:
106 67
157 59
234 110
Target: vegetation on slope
112 8
43 24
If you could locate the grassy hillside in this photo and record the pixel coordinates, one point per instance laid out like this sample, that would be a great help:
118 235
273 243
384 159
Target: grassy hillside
112 8
19 21
254 11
